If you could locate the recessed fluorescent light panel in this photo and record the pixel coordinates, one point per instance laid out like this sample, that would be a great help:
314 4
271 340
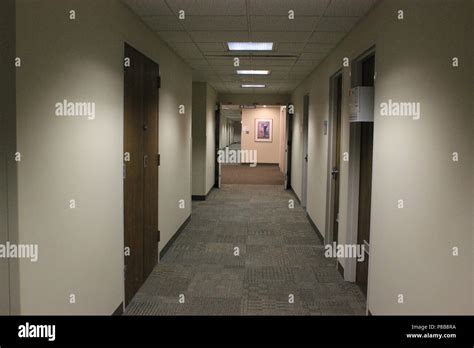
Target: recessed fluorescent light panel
253 72
252 86
250 46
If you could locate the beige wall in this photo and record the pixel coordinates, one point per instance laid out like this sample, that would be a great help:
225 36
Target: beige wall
411 247
66 158
267 152
250 99
204 102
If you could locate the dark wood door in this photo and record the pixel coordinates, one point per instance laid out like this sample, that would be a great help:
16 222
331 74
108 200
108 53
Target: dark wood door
150 164
337 156
365 194
141 170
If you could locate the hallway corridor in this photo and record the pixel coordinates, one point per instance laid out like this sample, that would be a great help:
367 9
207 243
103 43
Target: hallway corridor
280 254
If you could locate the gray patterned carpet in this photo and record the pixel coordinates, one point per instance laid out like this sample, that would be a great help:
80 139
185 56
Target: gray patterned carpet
280 255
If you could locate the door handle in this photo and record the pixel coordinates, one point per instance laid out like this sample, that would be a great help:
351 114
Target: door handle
145 161
306 158
334 172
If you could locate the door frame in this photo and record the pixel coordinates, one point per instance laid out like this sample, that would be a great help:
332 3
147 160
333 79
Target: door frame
288 147
354 171
304 172
331 189
217 135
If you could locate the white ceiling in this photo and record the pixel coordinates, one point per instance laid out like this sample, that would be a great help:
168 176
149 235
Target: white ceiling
300 44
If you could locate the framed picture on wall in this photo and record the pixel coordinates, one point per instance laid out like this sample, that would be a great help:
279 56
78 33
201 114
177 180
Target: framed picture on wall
263 130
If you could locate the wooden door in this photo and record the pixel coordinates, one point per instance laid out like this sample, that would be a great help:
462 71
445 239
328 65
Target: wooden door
365 193
151 162
140 169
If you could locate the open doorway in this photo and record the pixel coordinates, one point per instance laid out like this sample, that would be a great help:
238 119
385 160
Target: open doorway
252 146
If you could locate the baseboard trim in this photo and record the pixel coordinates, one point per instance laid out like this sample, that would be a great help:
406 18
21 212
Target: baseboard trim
294 194
261 164
175 236
201 197
119 310
313 225
340 269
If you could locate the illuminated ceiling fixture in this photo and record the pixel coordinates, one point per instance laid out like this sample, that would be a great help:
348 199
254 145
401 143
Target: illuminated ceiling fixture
253 72
250 46
252 86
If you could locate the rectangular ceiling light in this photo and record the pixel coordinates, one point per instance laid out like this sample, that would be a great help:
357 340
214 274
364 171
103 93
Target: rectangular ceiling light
250 46
252 86
253 72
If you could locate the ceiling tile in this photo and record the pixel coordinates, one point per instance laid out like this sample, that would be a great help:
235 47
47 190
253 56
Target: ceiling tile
208 7
301 69
187 50
305 62
175 36
337 23
312 56
327 37
281 7
349 7
290 47
215 23
318 47
282 23
280 64
230 78
219 36
226 61
149 7
211 47
163 23
280 36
